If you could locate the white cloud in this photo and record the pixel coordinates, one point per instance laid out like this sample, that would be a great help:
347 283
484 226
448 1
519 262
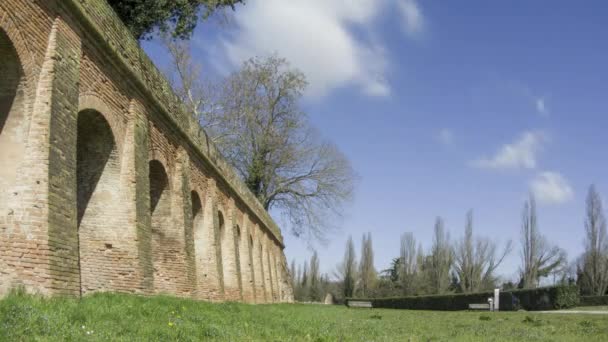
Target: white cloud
551 188
521 154
541 106
413 20
318 37
445 136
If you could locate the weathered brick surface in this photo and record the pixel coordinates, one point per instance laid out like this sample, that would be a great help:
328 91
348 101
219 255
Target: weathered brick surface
246 261
258 266
106 184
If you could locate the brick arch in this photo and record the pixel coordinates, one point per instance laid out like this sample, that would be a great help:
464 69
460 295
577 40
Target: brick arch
264 270
197 209
13 118
221 222
256 265
166 247
16 99
164 149
222 225
268 268
227 235
158 155
221 246
199 235
251 265
99 211
238 238
207 265
7 24
92 101
238 233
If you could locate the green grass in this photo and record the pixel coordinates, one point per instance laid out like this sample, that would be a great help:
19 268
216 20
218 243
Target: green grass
115 317
591 308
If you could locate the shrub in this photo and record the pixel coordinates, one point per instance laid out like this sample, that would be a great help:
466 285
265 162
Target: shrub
438 302
544 298
594 300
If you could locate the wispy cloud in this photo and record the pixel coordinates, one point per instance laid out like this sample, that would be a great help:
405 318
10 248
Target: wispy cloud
551 188
445 136
541 106
520 154
331 41
413 20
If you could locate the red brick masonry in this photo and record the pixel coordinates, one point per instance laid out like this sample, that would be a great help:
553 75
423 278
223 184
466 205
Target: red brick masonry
106 183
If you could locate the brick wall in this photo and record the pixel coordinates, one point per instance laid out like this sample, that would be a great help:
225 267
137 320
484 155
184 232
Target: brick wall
106 183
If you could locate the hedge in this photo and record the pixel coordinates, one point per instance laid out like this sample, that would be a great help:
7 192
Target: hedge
594 300
544 298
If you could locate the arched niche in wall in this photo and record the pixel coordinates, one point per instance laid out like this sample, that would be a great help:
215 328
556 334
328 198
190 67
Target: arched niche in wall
13 123
250 262
237 256
263 272
223 248
160 222
98 199
198 230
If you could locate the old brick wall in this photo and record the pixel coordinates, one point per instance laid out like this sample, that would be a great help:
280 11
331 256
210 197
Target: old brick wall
106 183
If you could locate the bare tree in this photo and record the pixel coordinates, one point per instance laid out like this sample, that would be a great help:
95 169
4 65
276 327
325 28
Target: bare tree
254 118
199 95
594 277
297 287
367 272
476 260
422 284
304 282
299 275
294 274
408 266
539 259
347 270
315 278
441 259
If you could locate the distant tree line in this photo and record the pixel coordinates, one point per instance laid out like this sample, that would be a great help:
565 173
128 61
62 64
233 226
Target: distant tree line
308 284
466 265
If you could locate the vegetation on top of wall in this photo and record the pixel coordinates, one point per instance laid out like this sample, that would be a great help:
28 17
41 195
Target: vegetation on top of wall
179 18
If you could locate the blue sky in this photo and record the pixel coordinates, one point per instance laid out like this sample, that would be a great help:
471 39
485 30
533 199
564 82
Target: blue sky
442 107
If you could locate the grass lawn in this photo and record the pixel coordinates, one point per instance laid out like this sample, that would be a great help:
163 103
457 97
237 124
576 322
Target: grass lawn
129 318
591 308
